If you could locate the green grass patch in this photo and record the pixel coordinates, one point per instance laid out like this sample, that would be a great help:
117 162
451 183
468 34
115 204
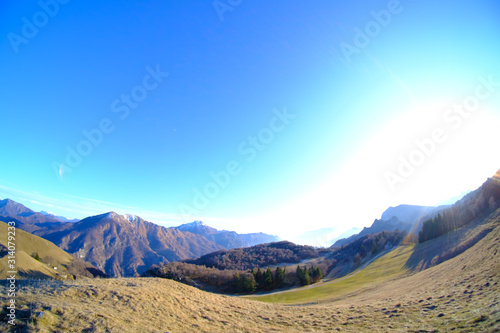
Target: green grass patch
384 268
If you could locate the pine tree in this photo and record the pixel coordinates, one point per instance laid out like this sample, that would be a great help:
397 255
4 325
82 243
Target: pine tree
259 278
268 279
300 274
247 284
279 277
303 275
311 272
317 274
307 278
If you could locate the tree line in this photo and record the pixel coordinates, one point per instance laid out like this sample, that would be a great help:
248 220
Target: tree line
236 281
477 204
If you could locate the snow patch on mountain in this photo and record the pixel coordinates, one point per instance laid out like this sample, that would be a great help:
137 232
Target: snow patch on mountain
130 217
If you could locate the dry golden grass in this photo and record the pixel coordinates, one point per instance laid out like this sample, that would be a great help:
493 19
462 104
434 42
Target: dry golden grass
459 295
388 267
26 265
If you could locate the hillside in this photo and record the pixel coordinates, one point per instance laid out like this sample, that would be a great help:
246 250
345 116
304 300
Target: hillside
29 246
125 245
460 294
262 255
350 257
475 205
284 265
239 270
449 283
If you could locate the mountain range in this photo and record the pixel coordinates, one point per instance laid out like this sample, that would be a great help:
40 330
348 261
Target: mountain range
225 238
448 283
62 218
123 245
126 245
449 279
25 217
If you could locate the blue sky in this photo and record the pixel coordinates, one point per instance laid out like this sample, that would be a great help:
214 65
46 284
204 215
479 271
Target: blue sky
305 111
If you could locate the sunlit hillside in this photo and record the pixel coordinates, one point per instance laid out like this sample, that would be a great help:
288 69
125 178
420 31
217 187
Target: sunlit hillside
462 293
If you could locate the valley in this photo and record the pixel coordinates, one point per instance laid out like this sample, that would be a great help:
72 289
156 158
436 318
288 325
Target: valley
382 281
250 166
462 293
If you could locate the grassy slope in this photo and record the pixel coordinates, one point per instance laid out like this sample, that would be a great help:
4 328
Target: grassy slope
385 268
462 293
397 263
27 266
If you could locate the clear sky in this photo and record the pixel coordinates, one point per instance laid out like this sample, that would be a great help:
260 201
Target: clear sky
281 116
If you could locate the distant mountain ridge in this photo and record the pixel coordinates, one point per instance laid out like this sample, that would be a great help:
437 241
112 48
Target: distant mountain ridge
27 219
416 215
377 226
402 218
227 239
407 213
197 227
62 218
